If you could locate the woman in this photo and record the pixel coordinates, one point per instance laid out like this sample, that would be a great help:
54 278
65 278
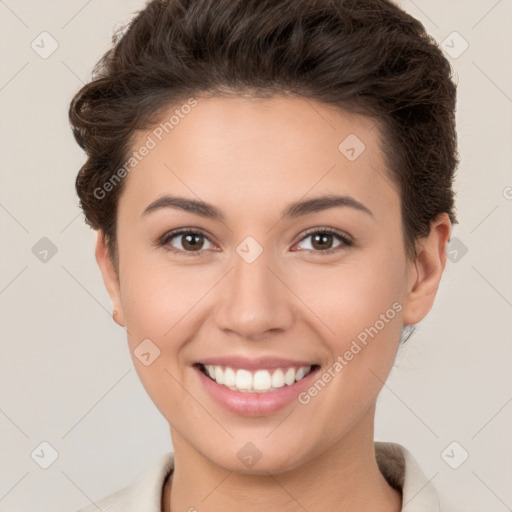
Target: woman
271 183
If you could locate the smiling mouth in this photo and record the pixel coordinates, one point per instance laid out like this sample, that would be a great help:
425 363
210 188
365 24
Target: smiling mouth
257 381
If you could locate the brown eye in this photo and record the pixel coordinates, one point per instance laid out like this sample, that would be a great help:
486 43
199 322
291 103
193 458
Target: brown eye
323 240
190 241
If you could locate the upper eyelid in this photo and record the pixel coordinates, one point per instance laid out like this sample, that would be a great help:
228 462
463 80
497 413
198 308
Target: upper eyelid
331 231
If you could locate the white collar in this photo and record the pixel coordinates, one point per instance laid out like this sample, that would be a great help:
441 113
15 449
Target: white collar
402 471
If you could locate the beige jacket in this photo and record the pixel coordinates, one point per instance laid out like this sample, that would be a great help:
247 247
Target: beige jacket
395 463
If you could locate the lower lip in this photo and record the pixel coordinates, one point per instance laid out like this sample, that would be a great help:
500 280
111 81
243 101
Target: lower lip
254 404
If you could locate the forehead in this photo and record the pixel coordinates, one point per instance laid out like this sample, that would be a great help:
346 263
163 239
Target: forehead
259 151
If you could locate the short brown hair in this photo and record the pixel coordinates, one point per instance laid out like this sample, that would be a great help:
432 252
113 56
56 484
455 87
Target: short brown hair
367 57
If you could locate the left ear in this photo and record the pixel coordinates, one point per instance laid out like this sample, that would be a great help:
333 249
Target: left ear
110 277
426 273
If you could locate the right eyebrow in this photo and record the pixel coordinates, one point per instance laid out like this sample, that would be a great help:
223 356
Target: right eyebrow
190 205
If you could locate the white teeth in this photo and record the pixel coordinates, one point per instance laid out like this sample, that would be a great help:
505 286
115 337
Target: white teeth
258 382
219 375
262 381
289 376
229 377
278 379
300 374
243 379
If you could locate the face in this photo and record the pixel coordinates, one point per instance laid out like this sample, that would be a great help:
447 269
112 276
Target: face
259 290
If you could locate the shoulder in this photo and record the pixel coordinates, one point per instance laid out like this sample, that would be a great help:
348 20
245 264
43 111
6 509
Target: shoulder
142 495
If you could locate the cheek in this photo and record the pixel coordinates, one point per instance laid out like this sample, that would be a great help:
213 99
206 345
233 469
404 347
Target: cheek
359 315
161 303
347 298
158 297
158 305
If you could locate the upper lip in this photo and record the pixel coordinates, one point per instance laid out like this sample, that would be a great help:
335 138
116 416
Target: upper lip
255 363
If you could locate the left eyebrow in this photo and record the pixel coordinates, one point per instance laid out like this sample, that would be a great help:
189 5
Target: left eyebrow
294 210
323 203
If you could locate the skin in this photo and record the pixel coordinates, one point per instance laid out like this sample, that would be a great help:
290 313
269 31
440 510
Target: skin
251 159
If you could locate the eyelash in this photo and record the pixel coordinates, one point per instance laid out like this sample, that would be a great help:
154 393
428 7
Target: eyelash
165 239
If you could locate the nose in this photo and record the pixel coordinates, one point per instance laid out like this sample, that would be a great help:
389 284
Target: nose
254 300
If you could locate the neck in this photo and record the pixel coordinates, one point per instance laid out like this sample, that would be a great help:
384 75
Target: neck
344 477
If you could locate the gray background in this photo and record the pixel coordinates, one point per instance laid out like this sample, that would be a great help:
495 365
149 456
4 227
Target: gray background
66 377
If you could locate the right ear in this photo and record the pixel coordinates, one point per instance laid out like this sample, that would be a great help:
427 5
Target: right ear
110 278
